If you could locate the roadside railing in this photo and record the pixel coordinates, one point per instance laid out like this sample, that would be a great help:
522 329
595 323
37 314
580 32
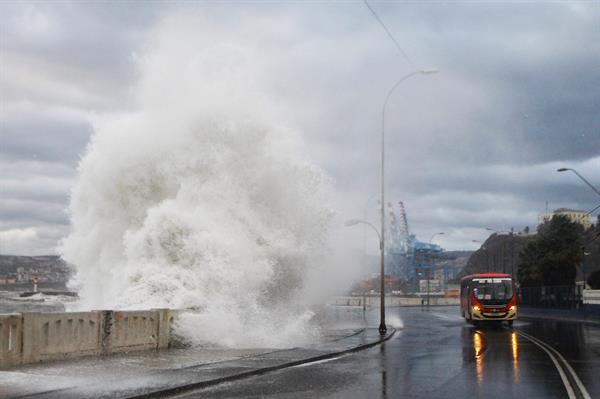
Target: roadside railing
556 297
591 297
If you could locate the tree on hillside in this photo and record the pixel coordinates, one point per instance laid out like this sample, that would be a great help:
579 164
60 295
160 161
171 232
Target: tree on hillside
529 272
552 258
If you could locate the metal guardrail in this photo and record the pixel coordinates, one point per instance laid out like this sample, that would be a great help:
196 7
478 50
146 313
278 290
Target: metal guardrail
391 301
591 297
557 297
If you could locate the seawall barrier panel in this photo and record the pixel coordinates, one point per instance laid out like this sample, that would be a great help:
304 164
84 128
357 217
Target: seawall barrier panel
50 336
134 330
11 338
35 337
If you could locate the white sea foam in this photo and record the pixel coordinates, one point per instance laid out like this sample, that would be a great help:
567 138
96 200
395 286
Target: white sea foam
200 198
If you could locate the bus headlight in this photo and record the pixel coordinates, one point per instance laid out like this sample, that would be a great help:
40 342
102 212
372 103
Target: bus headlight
512 308
476 308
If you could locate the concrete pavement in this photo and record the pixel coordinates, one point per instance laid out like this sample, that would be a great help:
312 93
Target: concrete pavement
157 373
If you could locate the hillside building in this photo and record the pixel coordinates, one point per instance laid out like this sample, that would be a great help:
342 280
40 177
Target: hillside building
581 217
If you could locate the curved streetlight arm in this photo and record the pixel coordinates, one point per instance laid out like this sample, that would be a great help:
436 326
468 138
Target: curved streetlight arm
402 79
581 177
393 88
436 234
354 222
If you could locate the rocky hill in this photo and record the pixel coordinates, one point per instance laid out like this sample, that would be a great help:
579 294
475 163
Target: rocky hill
500 253
21 269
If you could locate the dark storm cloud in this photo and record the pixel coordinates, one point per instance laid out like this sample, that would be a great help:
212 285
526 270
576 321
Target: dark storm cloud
539 66
518 95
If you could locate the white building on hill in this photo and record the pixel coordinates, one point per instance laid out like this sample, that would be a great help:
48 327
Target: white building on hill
581 217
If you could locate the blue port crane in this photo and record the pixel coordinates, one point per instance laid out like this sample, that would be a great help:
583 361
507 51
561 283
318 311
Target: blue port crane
406 255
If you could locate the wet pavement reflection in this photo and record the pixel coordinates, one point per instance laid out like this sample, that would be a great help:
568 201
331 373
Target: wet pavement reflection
383 372
484 345
579 343
437 355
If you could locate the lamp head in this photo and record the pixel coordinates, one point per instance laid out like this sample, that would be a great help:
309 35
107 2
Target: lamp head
351 222
428 71
562 169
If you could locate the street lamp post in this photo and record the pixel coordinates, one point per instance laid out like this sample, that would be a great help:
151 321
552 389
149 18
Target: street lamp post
583 264
594 239
428 268
382 326
436 234
445 277
365 218
581 177
512 254
583 254
353 222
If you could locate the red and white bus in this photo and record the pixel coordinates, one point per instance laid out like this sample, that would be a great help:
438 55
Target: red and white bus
488 297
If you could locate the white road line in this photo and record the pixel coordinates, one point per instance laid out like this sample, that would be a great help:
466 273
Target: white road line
319 361
563 376
582 388
580 385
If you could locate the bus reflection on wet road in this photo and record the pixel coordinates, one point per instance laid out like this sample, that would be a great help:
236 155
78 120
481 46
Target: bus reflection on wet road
505 347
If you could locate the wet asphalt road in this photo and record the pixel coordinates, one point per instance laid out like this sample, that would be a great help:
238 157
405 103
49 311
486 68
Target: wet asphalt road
437 355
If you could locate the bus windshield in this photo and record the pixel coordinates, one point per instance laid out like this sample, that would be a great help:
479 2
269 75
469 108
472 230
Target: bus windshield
492 291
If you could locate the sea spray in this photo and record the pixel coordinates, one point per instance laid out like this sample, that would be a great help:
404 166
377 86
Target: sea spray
200 198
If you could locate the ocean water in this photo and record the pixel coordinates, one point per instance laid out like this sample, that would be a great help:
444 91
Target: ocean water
11 302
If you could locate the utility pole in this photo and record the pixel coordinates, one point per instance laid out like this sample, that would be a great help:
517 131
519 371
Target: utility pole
512 253
503 257
583 257
583 264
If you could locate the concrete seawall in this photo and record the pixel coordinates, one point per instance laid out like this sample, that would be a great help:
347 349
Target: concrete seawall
36 337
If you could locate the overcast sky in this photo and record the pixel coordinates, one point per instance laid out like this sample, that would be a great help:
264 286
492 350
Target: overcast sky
476 145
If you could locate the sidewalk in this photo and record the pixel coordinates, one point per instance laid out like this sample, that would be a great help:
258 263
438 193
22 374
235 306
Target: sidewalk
571 315
156 373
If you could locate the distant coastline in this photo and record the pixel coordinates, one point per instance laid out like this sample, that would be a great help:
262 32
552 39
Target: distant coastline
19 272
